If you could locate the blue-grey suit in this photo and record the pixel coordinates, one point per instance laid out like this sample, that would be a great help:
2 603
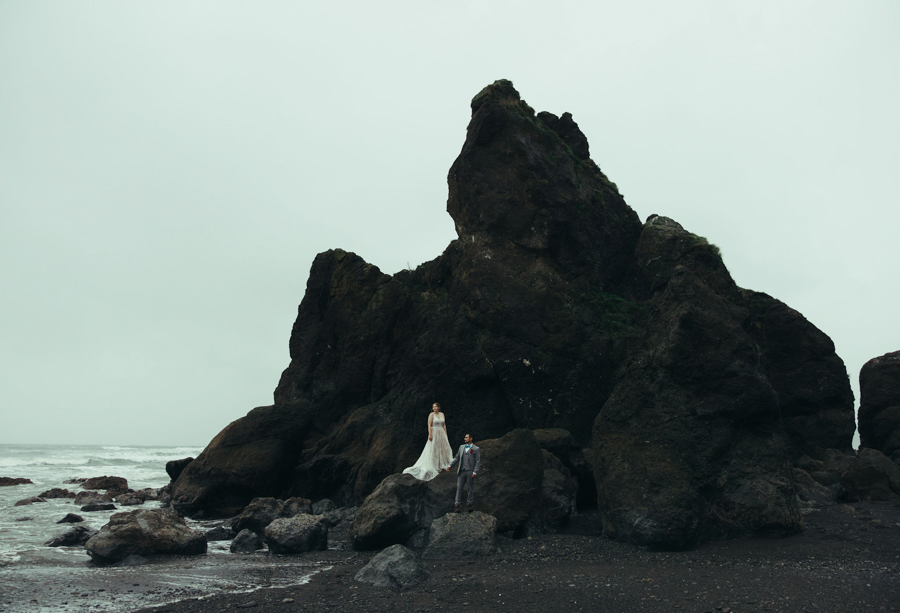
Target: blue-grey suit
469 463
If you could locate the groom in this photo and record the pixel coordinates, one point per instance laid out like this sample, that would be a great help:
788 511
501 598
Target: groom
469 458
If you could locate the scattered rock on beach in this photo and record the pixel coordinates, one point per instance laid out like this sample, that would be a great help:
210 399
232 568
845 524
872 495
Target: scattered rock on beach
130 499
28 518
144 532
246 541
84 497
98 506
220 533
396 567
79 535
262 511
461 535
296 534
873 476
71 518
27 501
8 481
116 484
57 492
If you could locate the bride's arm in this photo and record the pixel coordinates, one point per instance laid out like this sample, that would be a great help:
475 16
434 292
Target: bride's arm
445 426
430 419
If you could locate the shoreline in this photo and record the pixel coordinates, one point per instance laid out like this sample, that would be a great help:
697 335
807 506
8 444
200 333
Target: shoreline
847 559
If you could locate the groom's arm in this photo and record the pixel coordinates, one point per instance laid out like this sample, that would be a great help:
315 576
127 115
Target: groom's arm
454 460
477 461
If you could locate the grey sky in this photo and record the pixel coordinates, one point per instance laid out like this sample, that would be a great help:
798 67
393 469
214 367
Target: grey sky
169 170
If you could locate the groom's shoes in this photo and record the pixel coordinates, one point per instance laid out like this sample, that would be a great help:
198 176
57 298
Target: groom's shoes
457 509
470 508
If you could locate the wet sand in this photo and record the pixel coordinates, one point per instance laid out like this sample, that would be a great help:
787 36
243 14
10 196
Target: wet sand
847 560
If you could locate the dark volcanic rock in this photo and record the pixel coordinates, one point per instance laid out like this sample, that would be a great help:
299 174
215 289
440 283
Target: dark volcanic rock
396 567
562 444
263 511
144 532
296 534
86 497
79 535
879 404
27 501
508 487
71 518
98 506
691 444
220 533
461 535
558 494
116 484
555 302
7 481
873 476
174 468
57 492
246 541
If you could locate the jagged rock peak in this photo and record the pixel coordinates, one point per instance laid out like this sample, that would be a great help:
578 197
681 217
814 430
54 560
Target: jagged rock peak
528 179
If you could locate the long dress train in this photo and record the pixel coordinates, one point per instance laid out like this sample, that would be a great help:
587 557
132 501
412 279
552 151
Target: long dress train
435 457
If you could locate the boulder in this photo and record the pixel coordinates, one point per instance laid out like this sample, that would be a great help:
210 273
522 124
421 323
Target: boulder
98 506
563 445
811 493
262 511
296 534
71 518
8 481
246 541
220 533
879 404
57 492
692 444
559 492
174 468
323 506
85 497
75 480
129 500
508 486
115 484
457 536
27 501
24 519
144 532
873 476
396 568
79 535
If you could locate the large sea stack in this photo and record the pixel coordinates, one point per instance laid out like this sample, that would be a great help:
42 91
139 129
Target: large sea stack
555 308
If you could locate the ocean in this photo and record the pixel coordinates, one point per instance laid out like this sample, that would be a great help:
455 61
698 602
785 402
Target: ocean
36 578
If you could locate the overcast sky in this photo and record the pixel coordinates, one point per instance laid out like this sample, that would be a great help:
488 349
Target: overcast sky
169 170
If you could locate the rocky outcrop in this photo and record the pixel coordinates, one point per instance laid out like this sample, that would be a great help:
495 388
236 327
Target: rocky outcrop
79 535
871 477
508 487
555 308
557 504
263 511
71 518
565 448
110 484
456 536
246 541
57 492
879 405
89 496
174 468
396 568
29 500
8 481
144 532
296 534
98 506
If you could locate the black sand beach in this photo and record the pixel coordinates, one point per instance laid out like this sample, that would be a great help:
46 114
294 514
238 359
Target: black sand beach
847 559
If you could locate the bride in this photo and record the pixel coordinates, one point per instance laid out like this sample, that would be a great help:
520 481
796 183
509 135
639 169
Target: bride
437 453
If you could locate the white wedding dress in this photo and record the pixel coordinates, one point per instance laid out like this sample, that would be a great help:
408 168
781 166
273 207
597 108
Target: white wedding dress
436 456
